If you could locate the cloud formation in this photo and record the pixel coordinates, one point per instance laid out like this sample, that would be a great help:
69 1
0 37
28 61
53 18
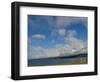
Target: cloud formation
65 21
38 36
58 29
62 31
59 21
74 47
66 50
73 41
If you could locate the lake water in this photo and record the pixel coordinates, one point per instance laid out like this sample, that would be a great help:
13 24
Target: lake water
80 59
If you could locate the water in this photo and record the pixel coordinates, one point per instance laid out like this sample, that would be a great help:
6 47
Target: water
80 59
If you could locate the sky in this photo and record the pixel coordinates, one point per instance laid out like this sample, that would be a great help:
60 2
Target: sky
52 36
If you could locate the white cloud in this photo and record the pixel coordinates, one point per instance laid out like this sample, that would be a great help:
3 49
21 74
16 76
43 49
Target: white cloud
71 33
38 36
74 42
61 22
62 31
58 21
62 50
75 46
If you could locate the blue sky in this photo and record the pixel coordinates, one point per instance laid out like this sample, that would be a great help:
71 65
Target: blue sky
48 32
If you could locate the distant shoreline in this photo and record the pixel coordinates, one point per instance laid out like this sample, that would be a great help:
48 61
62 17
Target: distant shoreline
60 57
72 60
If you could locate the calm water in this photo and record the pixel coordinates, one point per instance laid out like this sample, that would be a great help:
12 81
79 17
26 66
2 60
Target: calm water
80 59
